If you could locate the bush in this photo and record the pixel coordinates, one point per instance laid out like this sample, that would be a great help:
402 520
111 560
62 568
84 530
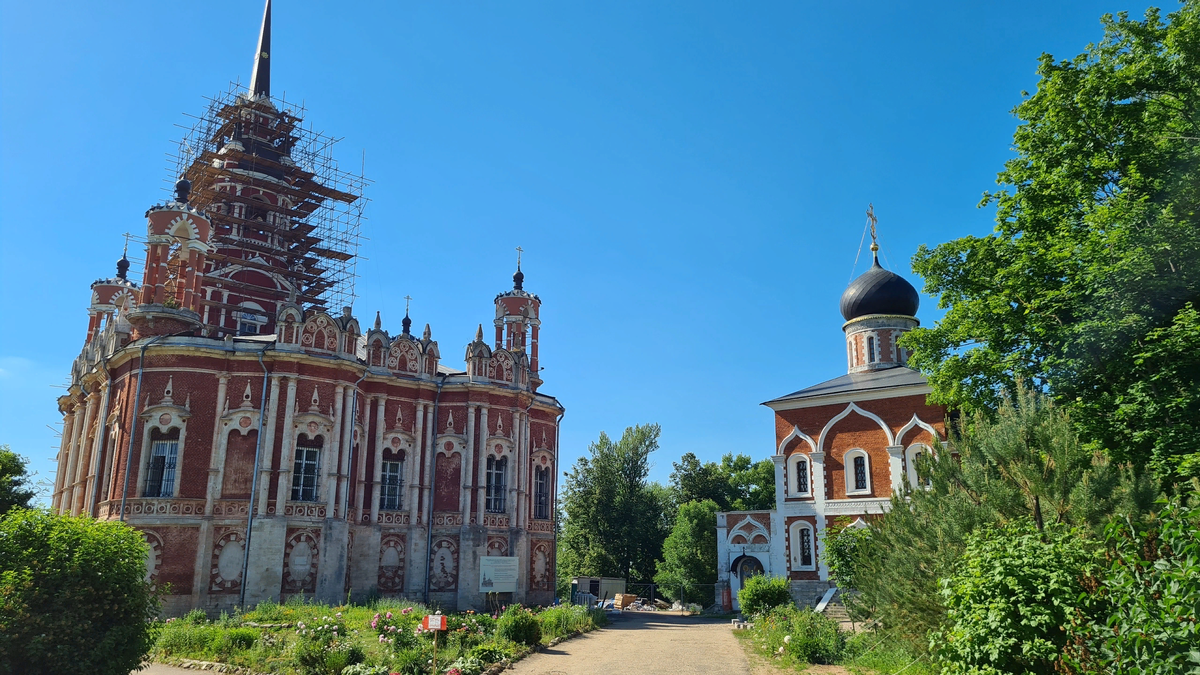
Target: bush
231 640
1146 599
519 625
492 652
1014 592
180 638
73 595
802 634
327 658
363 669
762 594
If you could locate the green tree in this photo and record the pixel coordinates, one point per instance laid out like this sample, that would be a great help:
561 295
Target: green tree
753 482
1089 286
737 483
843 548
1026 463
14 481
613 521
690 554
73 595
695 481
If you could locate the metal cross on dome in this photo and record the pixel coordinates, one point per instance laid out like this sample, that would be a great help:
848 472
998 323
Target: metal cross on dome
127 237
873 221
407 299
519 252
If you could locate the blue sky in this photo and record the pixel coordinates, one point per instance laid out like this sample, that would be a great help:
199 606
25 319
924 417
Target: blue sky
688 179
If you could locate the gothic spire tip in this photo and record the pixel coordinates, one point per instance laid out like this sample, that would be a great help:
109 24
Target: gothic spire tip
260 80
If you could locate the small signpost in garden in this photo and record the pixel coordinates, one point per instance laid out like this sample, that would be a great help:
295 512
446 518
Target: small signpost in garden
435 623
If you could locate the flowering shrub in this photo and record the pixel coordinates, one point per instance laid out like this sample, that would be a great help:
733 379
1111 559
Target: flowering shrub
398 629
325 632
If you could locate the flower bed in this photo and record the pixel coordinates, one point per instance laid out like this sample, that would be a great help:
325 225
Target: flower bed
378 639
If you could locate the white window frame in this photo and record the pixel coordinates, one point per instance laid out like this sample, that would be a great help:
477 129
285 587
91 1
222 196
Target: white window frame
496 484
541 492
848 463
872 349
391 485
170 474
910 464
796 539
794 461
297 494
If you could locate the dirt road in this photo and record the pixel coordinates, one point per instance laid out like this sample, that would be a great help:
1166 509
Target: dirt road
646 643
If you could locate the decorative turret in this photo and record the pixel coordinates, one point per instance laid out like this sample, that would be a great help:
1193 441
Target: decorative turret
879 307
111 295
517 322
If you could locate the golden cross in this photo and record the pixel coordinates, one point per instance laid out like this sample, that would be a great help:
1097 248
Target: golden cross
407 299
871 219
519 252
127 236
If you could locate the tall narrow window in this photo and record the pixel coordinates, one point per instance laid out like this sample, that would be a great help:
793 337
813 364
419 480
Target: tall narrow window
304 473
541 494
802 476
860 473
870 350
160 481
391 486
806 557
494 502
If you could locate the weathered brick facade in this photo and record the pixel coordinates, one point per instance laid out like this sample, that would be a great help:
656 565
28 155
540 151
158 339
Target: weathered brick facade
295 453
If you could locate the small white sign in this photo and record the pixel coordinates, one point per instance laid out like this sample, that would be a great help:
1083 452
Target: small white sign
497 574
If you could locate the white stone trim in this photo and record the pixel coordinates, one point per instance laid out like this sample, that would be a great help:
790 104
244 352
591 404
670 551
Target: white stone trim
793 461
796 433
851 396
848 471
910 463
852 407
915 422
794 545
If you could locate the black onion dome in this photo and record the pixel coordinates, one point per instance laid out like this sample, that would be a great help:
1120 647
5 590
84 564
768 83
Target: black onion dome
879 291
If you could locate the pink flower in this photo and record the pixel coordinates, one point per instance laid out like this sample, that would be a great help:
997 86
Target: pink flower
406 610
389 615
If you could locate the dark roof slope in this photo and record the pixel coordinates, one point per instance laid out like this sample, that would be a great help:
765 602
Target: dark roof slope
858 382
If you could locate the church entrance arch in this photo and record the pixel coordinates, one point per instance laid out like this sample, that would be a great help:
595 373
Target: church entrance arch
747 566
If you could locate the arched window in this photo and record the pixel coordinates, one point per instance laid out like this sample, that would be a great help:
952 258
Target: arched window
541 493
306 468
799 475
803 546
494 502
858 472
251 318
916 453
871 349
391 481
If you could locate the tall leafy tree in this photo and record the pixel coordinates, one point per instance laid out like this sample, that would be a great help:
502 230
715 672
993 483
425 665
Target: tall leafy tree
1088 287
613 517
737 483
15 490
689 564
1024 464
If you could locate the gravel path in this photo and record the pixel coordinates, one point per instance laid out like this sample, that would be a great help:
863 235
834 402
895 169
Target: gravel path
646 643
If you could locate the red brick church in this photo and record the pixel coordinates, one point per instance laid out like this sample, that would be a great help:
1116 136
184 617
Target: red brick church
264 442
843 447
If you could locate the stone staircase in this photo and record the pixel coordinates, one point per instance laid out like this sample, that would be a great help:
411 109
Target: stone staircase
836 610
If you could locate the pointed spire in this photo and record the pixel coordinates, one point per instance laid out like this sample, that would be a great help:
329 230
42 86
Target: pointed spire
428 334
479 333
260 80
378 322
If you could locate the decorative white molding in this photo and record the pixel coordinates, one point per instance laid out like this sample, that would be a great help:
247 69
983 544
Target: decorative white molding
796 433
914 422
852 407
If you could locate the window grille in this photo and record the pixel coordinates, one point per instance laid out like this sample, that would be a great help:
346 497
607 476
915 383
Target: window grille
860 473
541 494
494 503
391 486
304 473
806 558
802 476
161 480
870 350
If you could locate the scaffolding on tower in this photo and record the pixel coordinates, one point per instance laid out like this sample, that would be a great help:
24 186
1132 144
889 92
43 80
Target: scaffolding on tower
312 243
